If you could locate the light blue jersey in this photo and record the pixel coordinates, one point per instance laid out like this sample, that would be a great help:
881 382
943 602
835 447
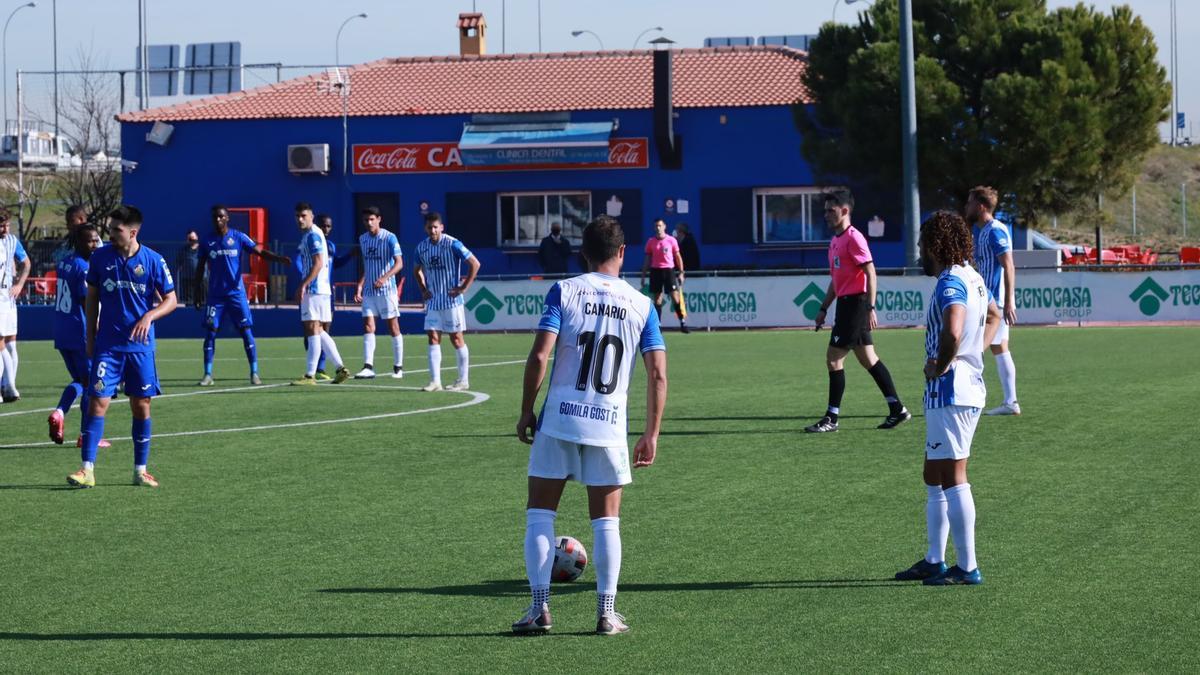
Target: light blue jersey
992 241
378 255
442 263
312 244
11 252
963 384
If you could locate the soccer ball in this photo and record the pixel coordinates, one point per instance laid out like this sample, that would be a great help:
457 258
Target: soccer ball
570 559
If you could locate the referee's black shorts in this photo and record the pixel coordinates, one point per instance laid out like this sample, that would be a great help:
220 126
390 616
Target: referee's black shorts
662 279
852 322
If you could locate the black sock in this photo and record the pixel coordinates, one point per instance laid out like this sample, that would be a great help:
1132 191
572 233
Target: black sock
837 387
883 378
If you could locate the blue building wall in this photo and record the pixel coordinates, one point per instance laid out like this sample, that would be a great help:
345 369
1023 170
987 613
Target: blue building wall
243 163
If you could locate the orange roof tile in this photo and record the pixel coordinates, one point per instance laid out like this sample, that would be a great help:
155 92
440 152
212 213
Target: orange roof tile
513 83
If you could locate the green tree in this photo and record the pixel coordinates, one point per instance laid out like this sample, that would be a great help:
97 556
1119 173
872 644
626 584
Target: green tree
1051 108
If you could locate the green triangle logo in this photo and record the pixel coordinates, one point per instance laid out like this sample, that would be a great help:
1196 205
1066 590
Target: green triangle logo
1149 296
809 301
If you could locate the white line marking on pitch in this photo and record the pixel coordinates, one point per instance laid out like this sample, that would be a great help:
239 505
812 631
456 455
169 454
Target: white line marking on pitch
256 387
477 397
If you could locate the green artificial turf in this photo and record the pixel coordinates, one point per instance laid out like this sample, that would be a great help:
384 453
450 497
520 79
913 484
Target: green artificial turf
394 543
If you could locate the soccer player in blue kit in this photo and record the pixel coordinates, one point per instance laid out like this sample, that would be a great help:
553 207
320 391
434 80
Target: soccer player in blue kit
221 250
124 280
70 333
596 325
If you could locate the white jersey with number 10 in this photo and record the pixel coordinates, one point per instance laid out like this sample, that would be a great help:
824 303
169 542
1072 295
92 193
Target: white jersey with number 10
603 325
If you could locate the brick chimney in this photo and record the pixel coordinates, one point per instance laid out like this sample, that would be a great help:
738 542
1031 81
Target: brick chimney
472 34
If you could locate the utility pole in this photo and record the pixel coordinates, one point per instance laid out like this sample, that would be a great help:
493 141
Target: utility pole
54 29
908 134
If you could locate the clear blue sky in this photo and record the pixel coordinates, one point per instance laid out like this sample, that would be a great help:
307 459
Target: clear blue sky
277 31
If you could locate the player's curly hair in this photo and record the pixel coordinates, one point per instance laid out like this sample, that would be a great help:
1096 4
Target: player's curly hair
947 238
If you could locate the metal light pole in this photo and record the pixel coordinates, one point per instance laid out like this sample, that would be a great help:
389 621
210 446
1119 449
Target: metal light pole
577 33
337 41
54 40
908 109
4 65
1174 79
643 34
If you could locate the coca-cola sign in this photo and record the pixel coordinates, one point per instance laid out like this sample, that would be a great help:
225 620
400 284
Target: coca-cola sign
376 158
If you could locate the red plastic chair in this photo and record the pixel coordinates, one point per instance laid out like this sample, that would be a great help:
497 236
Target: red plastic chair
1189 255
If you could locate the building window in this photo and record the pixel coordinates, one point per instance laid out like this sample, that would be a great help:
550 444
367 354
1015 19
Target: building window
525 217
788 215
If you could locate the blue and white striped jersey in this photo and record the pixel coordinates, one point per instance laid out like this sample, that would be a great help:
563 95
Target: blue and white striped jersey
963 383
603 324
442 263
378 255
312 243
992 241
11 252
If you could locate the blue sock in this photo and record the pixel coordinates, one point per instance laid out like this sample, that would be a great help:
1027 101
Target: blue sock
72 392
321 361
210 348
93 431
251 350
85 400
141 441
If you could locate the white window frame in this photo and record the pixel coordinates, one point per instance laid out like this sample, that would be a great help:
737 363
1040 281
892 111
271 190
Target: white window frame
544 194
816 213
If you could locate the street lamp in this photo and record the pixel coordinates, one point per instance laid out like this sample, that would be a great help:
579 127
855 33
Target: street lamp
4 64
641 34
577 33
337 46
848 2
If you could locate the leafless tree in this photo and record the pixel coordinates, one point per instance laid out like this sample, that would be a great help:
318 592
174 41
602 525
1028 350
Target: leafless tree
89 106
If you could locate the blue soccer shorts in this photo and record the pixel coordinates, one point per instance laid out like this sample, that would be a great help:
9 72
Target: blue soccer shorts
135 369
78 365
237 307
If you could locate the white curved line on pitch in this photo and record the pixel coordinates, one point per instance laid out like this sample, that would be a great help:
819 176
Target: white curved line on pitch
258 387
477 397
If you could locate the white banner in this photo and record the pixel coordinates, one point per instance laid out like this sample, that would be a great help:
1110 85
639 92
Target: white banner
1043 297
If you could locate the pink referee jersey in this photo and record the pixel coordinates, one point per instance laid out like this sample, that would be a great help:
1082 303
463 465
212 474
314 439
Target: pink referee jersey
662 252
847 252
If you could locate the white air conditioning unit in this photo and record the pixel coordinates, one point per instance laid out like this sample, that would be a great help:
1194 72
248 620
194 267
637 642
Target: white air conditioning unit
308 158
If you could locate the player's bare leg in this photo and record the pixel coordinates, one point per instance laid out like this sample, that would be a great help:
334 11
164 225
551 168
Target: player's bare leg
604 507
463 360
540 511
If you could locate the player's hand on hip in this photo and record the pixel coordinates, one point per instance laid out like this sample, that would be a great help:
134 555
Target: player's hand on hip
644 451
426 295
874 321
820 320
526 426
141 330
1010 315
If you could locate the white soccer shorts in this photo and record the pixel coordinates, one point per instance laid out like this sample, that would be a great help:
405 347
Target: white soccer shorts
316 308
453 320
383 306
589 464
8 316
949 431
1002 332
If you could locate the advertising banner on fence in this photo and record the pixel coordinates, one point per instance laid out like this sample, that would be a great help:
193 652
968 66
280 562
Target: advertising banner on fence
1043 297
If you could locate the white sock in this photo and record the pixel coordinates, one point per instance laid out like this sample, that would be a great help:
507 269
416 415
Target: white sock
11 348
539 551
9 371
1008 376
140 468
960 507
331 350
606 551
398 351
435 363
90 466
368 348
937 524
314 355
464 358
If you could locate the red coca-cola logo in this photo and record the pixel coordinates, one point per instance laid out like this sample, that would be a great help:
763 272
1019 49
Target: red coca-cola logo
401 158
627 153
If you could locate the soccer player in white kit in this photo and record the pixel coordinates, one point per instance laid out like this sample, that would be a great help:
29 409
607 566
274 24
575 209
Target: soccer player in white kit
315 298
962 319
595 324
382 260
994 262
12 282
